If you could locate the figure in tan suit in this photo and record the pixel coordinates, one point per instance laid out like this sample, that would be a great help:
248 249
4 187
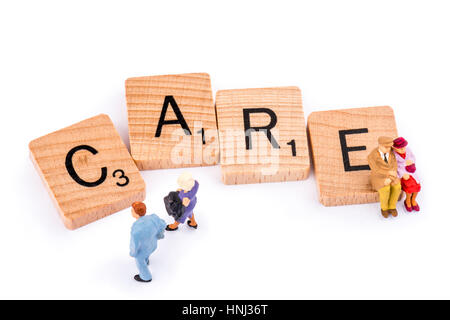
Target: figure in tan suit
383 176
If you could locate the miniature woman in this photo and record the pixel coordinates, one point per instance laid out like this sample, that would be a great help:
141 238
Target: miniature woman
187 193
406 170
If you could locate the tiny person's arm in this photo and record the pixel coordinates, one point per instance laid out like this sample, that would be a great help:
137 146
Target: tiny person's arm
377 172
133 247
411 156
186 201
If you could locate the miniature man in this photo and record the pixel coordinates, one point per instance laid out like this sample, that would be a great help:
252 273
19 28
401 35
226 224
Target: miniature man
187 193
145 233
383 166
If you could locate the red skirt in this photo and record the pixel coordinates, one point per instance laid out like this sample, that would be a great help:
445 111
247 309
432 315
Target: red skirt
410 185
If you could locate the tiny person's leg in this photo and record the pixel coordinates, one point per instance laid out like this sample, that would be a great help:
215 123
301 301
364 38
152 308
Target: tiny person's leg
144 273
414 203
413 199
395 192
408 200
192 222
384 199
173 226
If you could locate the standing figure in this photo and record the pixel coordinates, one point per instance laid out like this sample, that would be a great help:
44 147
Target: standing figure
187 194
407 172
145 233
383 176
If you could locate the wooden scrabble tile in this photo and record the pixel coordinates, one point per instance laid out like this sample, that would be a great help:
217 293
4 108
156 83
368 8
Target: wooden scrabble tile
172 121
262 135
340 141
87 170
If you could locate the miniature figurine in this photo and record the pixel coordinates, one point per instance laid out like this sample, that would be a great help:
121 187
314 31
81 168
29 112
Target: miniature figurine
187 194
174 205
383 166
406 170
145 233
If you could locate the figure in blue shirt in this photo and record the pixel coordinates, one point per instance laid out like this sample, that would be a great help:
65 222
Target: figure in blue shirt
145 233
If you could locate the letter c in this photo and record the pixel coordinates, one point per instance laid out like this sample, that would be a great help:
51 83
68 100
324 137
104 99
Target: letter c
73 173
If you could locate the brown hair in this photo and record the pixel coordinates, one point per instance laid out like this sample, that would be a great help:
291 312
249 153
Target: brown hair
139 208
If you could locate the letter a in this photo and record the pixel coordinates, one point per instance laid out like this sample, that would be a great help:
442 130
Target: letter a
180 119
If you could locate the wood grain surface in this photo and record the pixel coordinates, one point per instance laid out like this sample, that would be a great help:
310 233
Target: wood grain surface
100 177
336 185
192 94
263 162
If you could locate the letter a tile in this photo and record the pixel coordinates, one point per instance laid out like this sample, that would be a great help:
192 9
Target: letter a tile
340 141
87 170
171 121
262 135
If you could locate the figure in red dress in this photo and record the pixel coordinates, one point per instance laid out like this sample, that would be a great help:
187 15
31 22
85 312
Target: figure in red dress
406 170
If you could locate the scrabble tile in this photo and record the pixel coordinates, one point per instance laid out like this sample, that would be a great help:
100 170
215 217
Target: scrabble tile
87 170
262 135
172 121
340 141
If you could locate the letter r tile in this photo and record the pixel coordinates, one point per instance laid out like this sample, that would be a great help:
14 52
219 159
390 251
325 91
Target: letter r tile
340 142
87 170
262 135
171 121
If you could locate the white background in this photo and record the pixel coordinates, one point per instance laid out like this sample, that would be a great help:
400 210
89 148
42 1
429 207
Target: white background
63 62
